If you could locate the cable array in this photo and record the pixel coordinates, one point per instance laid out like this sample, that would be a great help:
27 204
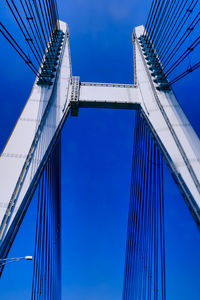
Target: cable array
172 29
46 282
36 21
144 276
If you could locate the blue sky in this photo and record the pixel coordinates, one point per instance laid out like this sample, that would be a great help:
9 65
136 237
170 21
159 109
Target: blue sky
96 163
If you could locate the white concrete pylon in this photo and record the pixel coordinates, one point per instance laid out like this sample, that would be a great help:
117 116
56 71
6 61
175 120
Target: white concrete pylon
41 121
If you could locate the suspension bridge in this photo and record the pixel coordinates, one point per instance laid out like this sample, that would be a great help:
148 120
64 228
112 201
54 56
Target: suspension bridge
31 158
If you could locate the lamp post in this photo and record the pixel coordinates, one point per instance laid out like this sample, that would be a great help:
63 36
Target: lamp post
5 261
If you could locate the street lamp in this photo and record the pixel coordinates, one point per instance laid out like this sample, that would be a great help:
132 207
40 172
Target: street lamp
5 261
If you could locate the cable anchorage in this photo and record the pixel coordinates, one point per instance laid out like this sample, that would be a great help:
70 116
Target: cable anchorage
50 63
153 63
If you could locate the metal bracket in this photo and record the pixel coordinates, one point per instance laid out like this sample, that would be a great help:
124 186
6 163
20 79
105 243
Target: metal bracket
74 101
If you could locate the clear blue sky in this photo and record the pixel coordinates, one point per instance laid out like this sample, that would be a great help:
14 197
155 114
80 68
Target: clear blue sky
96 163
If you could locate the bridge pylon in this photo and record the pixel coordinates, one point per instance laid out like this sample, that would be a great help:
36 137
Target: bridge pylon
57 92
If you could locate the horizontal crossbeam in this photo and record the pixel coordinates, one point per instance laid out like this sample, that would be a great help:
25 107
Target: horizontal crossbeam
108 95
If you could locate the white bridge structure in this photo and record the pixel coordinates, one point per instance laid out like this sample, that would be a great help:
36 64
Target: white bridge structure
40 123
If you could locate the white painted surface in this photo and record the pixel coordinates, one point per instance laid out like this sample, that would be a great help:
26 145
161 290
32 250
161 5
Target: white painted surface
14 179
177 136
108 93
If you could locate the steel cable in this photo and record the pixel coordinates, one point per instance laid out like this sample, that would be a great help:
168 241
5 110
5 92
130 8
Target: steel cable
145 264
